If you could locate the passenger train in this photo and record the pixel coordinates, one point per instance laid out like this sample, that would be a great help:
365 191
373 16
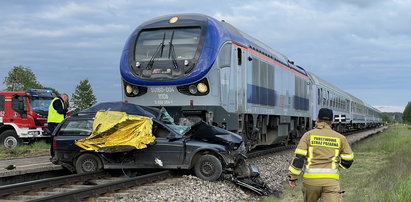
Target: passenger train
199 68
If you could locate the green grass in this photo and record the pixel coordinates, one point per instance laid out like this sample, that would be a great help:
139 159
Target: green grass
35 149
381 170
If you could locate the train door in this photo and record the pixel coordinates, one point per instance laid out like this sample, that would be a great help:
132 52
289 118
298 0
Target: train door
228 76
238 58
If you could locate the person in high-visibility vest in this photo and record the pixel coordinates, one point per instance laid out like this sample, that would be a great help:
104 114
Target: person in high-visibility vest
57 112
322 151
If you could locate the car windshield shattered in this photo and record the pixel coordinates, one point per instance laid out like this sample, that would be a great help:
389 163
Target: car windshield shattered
169 121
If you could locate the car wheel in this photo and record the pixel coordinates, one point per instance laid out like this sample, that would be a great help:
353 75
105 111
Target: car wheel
208 167
88 163
9 139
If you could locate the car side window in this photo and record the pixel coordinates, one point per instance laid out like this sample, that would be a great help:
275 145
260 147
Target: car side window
76 128
159 130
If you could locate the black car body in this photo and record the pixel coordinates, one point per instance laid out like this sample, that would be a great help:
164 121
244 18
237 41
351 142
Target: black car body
208 150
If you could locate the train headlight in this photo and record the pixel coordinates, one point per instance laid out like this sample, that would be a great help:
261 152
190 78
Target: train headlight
192 89
202 88
135 90
129 89
199 88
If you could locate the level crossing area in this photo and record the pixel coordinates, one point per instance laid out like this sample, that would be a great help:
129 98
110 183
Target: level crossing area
29 171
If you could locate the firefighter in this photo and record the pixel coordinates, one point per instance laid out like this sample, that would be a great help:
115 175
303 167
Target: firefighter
57 112
322 151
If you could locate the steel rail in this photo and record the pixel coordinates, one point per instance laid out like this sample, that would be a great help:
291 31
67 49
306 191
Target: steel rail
258 153
94 191
19 188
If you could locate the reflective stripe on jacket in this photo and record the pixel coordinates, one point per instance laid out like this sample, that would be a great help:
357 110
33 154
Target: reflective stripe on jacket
53 115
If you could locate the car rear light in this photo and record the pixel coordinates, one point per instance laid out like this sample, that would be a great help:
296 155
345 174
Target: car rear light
54 142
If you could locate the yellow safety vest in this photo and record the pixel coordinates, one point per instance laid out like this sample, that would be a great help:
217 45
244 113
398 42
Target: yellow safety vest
53 115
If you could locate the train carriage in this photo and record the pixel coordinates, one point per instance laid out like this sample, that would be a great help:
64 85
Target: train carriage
329 96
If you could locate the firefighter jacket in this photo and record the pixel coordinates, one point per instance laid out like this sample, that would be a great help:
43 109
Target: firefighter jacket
57 111
321 151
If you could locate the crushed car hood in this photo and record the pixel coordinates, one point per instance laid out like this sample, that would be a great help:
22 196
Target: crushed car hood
207 133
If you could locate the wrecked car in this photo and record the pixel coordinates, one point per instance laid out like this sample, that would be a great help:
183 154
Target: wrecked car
208 150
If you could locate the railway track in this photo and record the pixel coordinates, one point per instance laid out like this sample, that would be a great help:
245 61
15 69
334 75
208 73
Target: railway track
75 187
365 133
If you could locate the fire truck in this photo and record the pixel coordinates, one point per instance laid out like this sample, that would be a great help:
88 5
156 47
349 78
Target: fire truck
23 116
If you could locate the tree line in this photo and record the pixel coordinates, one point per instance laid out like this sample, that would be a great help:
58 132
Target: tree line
22 78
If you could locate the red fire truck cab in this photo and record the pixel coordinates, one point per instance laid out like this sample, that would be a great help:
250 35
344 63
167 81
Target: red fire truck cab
23 116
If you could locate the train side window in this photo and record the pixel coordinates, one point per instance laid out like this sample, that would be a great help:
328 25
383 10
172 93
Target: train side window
271 76
256 72
319 96
329 99
264 74
239 56
224 58
1 102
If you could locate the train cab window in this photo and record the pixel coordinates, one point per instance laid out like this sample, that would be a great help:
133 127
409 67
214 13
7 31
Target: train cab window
224 58
1 102
184 42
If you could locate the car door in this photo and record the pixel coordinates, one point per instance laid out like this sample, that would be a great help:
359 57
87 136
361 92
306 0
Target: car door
164 153
67 133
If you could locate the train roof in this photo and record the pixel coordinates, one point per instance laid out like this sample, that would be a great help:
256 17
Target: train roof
318 80
372 108
260 47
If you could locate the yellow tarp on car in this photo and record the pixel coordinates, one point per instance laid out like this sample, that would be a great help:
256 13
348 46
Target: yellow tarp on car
115 131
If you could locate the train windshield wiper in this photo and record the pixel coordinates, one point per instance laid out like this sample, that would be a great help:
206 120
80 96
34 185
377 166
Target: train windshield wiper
159 50
172 52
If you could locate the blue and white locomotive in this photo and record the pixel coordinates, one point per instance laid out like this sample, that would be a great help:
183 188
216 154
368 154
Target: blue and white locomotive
200 68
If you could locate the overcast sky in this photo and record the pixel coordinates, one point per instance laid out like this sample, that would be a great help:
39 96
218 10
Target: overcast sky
361 46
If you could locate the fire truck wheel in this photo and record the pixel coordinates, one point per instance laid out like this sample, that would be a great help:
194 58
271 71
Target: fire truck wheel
9 139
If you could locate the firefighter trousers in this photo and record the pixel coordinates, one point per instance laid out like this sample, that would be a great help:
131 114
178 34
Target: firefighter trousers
324 193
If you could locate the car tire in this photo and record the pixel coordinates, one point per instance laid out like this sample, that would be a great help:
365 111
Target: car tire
208 167
88 163
9 139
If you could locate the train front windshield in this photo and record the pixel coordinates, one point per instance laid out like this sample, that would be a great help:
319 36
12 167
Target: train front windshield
184 41
166 53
